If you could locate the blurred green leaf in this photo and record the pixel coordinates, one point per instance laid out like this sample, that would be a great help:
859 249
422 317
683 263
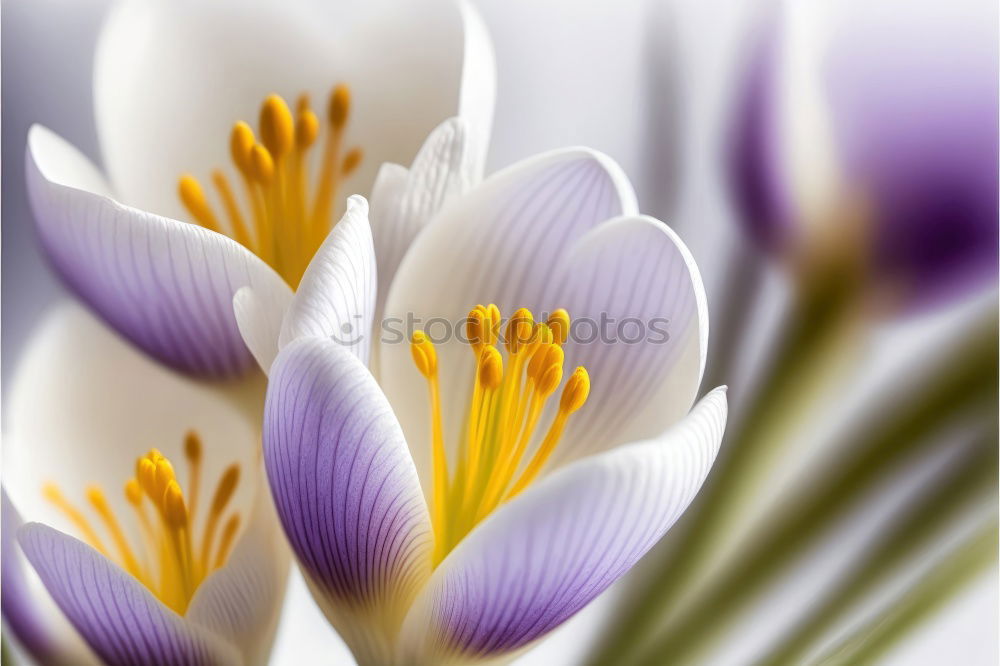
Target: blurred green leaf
965 379
966 484
934 589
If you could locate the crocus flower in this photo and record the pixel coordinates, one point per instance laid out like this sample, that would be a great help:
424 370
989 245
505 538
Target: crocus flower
150 524
883 112
458 510
159 247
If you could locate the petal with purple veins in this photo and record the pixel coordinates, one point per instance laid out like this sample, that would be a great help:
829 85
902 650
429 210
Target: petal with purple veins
346 491
118 617
499 243
639 324
165 285
547 553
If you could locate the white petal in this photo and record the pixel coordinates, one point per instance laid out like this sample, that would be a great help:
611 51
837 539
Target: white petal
404 201
640 327
478 88
83 405
172 76
336 297
499 243
166 285
242 601
547 553
260 323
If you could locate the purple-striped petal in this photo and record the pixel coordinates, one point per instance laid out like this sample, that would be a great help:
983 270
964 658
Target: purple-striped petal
640 327
336 297
346 491
549 552
165 285
242 601
21 613
117 616
500 243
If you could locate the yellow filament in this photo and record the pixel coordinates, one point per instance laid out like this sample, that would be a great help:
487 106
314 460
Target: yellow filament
167 561
239 226
193 197
226 542
100 503
223 493
425 358
192 451
52 494
504 411
278 220
574 396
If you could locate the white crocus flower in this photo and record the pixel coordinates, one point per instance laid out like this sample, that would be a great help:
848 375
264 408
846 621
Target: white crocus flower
196 205
170 555
466 531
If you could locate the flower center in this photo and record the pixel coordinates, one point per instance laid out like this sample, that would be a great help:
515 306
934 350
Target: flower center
167 560
504 410
286 212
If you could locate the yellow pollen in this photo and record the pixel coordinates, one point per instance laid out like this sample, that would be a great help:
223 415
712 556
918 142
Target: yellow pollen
559 323
502 452
277 127
164 558
306 129
424 354
261 164
241 142
282 212
490 371
340 106
193 197
520 331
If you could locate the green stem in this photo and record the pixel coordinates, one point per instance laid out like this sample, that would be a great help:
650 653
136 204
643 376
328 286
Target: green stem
965 485
934 589
820 325
965 379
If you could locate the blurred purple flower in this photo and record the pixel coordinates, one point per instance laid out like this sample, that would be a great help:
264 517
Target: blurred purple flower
900 109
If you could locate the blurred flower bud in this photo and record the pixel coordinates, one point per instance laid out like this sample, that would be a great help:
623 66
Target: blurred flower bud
872 128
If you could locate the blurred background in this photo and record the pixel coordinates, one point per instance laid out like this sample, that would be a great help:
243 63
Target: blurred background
834 171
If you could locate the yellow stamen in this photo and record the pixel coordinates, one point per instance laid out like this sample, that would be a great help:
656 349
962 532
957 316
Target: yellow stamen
241 142
193 198
285 225
226 543
240 233
192 451
277 127
340 106
52 494
167 562
559 323
574 396
425 358
506 406
351 162
223 493
100 503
